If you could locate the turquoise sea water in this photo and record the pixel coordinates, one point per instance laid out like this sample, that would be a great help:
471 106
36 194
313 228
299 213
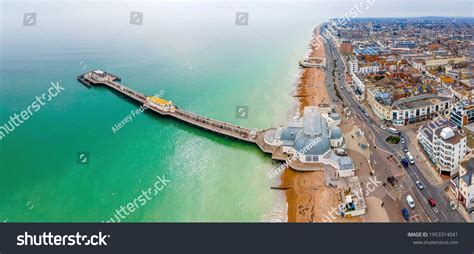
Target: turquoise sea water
200 60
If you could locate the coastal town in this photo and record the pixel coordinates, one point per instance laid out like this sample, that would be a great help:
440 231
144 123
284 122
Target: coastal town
224 125
383 129
402 91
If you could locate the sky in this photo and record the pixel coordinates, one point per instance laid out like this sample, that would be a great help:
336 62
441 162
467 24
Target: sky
380 8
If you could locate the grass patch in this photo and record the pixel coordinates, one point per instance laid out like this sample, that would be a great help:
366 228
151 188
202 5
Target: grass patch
393 139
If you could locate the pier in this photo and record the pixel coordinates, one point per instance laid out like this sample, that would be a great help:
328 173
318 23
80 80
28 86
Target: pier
310 137
164 107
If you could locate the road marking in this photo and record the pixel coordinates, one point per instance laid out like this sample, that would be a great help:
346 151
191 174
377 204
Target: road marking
420 202
416 218
385 151
444 215
416 175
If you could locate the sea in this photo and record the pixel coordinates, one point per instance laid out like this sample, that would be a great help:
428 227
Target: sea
65 163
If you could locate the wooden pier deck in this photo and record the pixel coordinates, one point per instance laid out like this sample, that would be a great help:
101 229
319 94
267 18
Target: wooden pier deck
223 128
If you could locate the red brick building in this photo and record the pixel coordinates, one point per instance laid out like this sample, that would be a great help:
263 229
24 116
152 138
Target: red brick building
346 47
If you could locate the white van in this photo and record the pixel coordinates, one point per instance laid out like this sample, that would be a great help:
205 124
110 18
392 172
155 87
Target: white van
410 201
410 158
393 131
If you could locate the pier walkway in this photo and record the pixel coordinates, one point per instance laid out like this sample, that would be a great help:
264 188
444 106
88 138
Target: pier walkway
264 139
163 107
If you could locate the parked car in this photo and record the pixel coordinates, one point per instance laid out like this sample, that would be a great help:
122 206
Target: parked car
420 185
432 202
410 201
406 214
382 127
405 150
340 151
404 162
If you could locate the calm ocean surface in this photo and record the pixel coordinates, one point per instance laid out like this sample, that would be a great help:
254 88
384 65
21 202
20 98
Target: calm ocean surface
200 60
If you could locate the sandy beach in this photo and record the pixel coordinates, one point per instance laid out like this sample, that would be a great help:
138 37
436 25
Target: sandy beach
306 190
308 197
311 89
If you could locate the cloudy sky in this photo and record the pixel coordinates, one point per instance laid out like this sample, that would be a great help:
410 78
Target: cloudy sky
380 8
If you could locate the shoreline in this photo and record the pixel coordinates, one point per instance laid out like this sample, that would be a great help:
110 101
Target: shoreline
308 198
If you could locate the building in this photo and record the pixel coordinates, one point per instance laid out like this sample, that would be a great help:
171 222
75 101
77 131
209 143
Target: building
444 145
359 85
311 128
462 113
334 119
370 51
345 167
346 47
418 65
99 75
353 201
369 68
417 108
405 44
313 62
336 136
379 101
436 62
312 138
353 65
407 110
466 184
161 104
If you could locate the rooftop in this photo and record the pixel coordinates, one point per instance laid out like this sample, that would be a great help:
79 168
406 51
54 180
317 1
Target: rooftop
454 139
336 132
314 129
420 101
345 163
435 128
469 166
312 121
159 100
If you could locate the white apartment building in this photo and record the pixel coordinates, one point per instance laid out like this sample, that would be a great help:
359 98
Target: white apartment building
418 65
360 86
369 68
444 145
353 65
356 68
